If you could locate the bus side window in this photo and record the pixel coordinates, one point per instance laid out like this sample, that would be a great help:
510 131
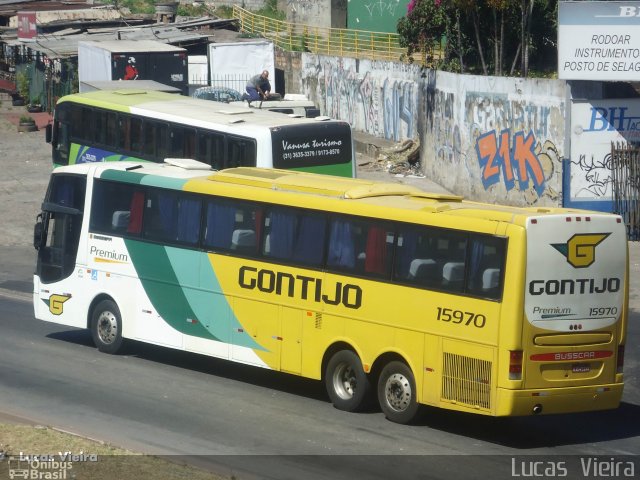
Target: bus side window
136 135
486 264
294 235
112 128
77 126
233 226
172 217
176 141
414 256
211 149
100 132
189 143
241 152
361 247
150 130
116 208
86 128
61 143
124 132
162 142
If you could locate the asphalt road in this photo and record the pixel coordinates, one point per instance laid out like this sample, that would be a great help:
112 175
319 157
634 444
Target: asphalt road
247 421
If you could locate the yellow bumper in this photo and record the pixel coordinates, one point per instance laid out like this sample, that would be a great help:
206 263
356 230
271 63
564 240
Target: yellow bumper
561 400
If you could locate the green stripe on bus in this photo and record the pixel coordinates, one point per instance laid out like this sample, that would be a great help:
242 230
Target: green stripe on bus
172 284
340 170
142 179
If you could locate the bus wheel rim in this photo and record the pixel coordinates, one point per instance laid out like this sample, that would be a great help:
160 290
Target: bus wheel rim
344 381
107 327
398 392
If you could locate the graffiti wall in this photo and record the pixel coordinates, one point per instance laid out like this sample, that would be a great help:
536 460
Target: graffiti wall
379 98
490 139
494 139
595 124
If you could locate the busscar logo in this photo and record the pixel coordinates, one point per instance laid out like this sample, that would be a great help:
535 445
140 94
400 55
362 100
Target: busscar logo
580 250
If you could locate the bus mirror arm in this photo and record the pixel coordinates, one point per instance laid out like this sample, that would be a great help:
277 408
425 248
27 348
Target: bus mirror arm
38 230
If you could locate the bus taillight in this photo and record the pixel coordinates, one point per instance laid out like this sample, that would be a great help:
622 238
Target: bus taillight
515 365
620 362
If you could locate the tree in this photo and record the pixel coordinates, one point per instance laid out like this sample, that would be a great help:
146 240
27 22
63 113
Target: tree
423 27
478 34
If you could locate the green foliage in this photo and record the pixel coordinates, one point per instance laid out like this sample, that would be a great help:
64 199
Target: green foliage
484 36
224 11
22 81
423 27
270 10
185 10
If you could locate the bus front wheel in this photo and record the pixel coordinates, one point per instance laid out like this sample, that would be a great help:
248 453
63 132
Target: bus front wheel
347 384
397 393
106 327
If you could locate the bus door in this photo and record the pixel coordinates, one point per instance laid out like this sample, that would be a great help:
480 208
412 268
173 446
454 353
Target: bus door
57 231
58 134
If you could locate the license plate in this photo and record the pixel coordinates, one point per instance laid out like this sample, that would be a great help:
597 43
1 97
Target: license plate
580 367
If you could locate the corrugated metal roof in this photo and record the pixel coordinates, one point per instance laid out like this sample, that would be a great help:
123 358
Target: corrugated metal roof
64 43
62 46
12 6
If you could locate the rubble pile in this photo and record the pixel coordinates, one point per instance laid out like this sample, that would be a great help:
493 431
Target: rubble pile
402 159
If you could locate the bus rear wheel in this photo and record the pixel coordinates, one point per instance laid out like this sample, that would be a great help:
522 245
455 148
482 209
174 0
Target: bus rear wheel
106 327
397 393
347 384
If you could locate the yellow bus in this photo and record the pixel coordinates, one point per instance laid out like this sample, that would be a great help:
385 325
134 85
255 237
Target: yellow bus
379 290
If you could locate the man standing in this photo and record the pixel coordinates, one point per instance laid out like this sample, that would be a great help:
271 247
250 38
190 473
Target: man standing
258 87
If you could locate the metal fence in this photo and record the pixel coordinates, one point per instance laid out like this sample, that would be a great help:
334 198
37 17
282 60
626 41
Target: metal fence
237 81
625 177
326 41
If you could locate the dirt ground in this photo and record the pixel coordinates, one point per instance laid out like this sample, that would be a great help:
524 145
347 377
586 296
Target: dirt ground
25 165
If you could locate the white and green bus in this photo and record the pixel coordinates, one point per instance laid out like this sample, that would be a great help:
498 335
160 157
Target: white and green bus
131 124
378 289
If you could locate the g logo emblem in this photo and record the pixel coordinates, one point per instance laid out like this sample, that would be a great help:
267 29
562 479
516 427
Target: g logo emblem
55 303
580 250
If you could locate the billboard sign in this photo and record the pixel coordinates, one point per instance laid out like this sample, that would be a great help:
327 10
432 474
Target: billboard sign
595 125
599 40
27 29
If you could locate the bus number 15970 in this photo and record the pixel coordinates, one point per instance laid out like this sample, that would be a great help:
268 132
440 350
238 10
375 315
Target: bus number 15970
458 316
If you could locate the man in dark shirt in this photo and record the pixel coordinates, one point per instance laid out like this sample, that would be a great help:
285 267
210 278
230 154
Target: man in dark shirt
258 87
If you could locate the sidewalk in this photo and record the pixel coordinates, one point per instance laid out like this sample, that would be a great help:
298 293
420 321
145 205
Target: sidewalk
13 116
368 148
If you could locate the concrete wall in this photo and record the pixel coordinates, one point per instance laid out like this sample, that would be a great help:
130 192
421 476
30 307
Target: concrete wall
379 98
495 139
251 5
492 139
311 12
291 64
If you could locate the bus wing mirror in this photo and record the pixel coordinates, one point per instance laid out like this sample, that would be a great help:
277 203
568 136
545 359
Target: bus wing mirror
38 230
48 133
